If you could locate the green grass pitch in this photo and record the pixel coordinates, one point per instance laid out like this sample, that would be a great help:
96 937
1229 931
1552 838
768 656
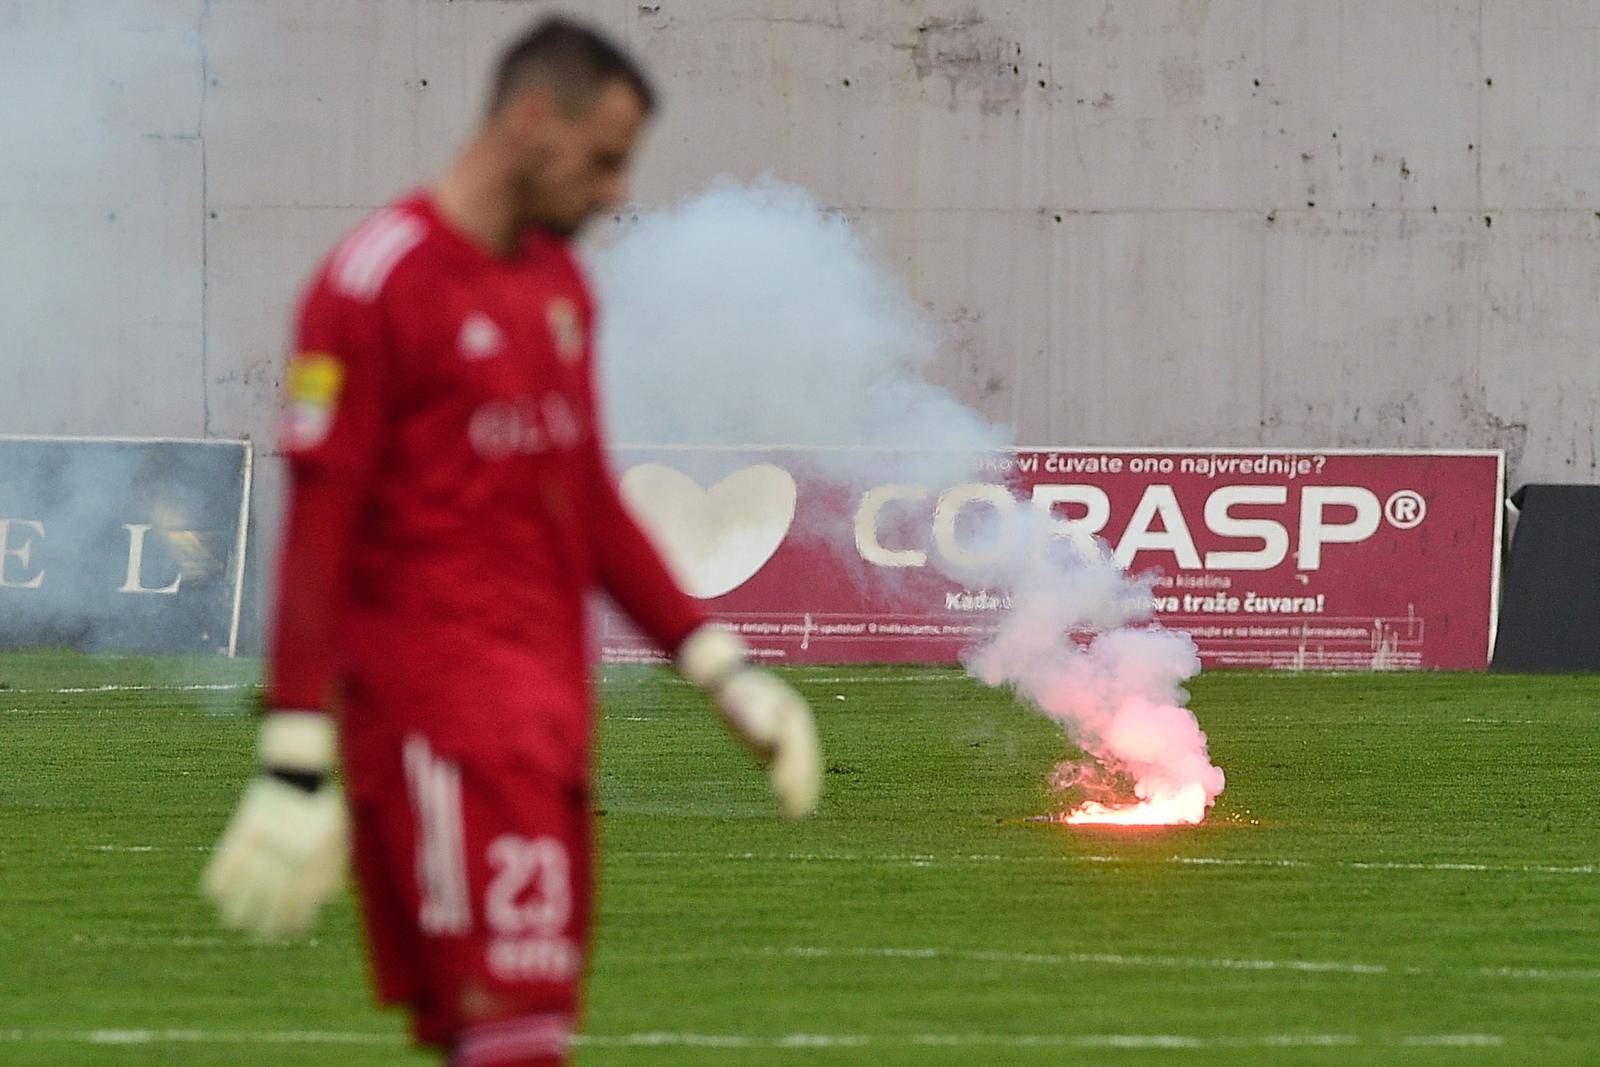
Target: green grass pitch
1403 869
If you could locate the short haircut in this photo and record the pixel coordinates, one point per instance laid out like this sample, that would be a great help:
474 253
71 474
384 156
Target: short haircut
574 61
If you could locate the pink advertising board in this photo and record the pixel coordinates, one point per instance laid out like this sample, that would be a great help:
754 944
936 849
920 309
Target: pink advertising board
1333 560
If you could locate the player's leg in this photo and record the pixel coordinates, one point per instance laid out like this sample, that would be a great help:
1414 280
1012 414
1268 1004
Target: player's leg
397 955
520 1037
385 911
514 1042
384 840
502 864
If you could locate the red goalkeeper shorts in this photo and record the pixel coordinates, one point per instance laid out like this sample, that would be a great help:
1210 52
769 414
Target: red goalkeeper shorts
475 877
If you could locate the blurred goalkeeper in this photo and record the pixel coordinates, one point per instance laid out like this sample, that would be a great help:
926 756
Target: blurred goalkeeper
450 511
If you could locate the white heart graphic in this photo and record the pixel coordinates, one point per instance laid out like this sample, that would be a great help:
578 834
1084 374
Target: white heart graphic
716 539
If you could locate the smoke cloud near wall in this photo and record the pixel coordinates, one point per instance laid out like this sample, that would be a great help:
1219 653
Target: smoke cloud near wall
110 547
749 315
102 215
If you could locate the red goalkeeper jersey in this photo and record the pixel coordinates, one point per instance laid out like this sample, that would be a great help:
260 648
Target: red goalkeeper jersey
451 508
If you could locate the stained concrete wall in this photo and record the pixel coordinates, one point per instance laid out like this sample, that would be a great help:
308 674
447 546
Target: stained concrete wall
1234 222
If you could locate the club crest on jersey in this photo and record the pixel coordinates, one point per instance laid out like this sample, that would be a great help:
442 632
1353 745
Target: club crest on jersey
479 338
312 388
565 329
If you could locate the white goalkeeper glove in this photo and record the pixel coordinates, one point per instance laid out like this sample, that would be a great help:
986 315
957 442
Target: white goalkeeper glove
283 855
770 716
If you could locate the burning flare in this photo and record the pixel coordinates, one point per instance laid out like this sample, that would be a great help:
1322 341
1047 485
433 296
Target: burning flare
1118 694
1185 807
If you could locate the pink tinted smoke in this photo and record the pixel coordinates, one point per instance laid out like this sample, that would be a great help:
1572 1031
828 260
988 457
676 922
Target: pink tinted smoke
1118 695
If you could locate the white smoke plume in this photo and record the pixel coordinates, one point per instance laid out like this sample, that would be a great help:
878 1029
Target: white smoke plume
749 315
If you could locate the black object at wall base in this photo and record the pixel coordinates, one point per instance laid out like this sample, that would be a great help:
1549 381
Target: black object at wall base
1550 611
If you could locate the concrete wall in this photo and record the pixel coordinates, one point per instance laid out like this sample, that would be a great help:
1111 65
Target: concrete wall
1234 222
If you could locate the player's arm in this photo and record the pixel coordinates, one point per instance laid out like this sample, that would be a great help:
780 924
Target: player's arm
629 567
283 855
771 718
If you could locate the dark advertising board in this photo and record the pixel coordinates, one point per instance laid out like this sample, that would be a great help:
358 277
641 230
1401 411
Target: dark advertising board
123 545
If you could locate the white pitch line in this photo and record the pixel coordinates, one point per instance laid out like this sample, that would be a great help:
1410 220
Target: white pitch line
220 687
1109 959
660 1039
180 941
1456 1040
1524 868
229 687
199 1037
1184 963
867 679
239 943
801 678
931 860
1203 861
1542 974
928 860
795 1042
1044 959
142 848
